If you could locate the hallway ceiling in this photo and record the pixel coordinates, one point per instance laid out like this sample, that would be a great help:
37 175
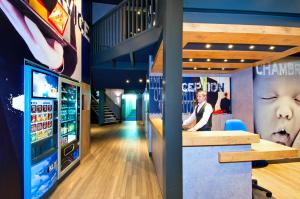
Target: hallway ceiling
227 48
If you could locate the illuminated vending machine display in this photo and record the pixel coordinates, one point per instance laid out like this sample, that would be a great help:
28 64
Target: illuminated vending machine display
40 131
69 123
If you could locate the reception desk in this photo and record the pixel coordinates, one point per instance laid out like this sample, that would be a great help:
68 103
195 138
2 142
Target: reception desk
217 164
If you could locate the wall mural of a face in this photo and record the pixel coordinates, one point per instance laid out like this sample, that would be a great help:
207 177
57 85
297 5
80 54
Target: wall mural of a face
277 103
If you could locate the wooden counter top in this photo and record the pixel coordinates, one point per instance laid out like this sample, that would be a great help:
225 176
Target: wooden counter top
264 150
158 125
218 138
210 138
261 149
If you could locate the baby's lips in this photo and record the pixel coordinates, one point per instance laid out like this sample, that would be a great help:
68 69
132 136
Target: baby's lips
276 137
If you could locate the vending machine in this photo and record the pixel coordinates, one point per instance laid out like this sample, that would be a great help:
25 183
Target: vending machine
40 130
69 125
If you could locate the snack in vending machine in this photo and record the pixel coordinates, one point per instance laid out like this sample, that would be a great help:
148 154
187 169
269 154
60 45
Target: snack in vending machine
49 124
39 126
33 137
33 108
33 118
38 135
33 128
45 108
39 117
49 108
45 117
44 125
39 108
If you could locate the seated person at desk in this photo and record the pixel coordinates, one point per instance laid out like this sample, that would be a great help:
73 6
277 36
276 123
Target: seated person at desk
202 114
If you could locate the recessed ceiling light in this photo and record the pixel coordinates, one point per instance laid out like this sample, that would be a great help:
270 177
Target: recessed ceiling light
208 60
272 47
207 45
230 46
191 59
127 81
141 80
242 60
251 47
225 60
195 68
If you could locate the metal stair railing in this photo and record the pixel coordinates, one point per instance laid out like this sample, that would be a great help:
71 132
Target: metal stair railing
95 101
128 19
113 106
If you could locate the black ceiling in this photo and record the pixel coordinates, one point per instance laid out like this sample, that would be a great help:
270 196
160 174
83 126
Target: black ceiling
108 1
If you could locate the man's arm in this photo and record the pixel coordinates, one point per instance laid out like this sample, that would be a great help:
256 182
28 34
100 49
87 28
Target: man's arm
207 112
190 119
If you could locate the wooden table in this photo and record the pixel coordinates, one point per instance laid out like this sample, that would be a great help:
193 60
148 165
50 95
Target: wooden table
264 150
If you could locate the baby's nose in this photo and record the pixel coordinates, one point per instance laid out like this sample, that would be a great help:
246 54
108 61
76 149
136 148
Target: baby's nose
284 112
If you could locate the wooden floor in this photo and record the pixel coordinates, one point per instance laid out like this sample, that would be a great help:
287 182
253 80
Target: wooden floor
118 167
283 179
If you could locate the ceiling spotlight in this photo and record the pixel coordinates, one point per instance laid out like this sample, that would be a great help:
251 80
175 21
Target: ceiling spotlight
207 45
242 60
208 60
225 60
272 47
191 59
209 68
141 80
230 46
195 68
127 81
251 47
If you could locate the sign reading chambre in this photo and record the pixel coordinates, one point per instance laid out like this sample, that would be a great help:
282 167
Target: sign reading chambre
218 93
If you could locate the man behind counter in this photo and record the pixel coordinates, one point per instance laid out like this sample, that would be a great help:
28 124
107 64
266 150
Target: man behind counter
202 114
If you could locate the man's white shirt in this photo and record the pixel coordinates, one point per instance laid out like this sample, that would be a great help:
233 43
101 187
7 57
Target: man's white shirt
207 112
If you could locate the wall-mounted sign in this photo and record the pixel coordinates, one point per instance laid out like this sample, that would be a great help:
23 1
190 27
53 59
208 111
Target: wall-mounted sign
218 93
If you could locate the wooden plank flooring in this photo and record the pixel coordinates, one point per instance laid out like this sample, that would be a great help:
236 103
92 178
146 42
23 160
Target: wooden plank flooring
283 179
118 167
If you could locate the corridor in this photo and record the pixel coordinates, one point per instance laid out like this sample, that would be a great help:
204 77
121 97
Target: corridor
118 167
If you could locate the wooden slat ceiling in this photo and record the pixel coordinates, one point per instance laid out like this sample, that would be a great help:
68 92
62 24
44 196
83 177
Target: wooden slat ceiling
237 35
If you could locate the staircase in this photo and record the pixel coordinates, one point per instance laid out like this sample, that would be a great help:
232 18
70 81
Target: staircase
102 114
109 117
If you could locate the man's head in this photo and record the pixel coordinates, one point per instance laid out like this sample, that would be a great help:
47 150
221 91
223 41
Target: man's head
277 107
201 96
